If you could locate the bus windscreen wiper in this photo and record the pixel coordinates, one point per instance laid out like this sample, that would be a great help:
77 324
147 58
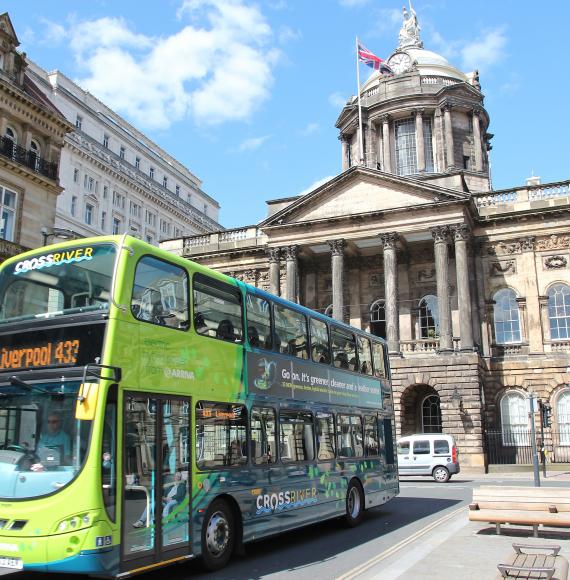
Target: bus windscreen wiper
16 382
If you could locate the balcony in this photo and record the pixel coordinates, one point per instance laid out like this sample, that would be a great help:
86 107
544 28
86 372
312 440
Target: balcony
27 158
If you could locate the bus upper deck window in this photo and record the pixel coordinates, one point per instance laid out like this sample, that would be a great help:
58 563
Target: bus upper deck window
160 293
379 359
320 350
258 322
344 349
364 355
291 332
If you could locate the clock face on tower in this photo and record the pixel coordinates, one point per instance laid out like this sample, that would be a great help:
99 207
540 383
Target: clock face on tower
399 62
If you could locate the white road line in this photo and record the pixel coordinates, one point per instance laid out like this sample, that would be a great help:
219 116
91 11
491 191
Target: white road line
355 572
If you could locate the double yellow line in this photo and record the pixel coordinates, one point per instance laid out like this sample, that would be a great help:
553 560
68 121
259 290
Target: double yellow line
355 572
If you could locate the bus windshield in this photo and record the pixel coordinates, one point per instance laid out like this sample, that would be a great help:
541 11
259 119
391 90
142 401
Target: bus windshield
66 281
42 445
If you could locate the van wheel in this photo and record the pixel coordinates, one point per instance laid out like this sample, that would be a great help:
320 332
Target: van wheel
218 535
354 504
441 474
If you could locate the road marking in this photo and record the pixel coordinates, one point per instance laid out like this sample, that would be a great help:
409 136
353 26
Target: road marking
355 572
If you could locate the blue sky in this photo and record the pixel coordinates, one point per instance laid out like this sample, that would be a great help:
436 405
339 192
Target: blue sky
246 94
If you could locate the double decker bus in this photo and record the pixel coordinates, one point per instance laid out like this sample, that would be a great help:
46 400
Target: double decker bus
153 410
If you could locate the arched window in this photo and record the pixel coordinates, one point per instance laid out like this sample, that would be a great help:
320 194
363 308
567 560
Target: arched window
429 317
563 416
9 142
34 155
378 318
506 317
329 310
514 419
559 311
431 414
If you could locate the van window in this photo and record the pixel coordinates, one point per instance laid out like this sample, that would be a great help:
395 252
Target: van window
441 447
403 447
160 293
217 309
320 351
258 322
297 441
421 447
291 332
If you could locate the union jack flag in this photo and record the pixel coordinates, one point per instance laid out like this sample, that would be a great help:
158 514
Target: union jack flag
373 61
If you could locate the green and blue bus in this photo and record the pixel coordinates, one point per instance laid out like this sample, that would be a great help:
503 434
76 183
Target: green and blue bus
153 410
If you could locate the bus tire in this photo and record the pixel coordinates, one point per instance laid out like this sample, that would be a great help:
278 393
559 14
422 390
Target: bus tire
218 535
354 504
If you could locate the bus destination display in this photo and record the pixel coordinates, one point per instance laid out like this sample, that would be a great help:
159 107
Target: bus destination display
60 353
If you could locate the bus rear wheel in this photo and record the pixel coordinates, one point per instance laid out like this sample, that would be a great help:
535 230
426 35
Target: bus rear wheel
218 535
354 504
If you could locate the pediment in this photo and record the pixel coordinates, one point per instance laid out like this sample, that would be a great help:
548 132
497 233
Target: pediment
361 191
7 28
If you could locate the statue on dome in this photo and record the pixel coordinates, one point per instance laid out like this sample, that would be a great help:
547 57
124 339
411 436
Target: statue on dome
410 31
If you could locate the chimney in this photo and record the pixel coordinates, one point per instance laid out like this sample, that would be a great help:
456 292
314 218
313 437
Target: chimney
533 180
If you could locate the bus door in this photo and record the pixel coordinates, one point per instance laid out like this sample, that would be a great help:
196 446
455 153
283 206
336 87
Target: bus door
156 480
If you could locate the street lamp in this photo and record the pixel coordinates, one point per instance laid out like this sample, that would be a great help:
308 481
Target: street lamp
61 233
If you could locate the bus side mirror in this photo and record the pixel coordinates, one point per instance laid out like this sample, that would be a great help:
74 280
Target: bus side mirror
87 401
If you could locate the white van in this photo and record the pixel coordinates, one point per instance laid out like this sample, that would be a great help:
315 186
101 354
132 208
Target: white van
428 454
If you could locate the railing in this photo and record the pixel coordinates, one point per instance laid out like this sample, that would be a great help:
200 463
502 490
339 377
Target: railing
514 447
500 350
222 239
550 192
28 158
560 346
529 193
425 345
438 81
494 199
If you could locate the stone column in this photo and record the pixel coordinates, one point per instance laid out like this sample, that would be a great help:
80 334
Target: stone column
449 150
337 259
371 145
291 272
440 236
274 271
461 235
420 140
389 243
345 156
27 136
386 155
477 145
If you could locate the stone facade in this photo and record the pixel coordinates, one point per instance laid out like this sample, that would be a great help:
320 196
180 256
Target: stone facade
32 132
470 287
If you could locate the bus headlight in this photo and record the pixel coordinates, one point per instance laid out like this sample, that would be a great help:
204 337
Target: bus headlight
62 526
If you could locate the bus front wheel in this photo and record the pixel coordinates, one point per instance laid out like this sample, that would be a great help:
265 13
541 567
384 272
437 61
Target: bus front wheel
218 535
354 504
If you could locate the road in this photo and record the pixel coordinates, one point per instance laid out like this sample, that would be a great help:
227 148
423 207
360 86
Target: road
423 510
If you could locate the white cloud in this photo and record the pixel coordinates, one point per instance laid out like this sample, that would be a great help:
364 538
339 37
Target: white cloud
53 33
485 51
337 100
352 3
216 69
253 143
316 184
310 129
286 33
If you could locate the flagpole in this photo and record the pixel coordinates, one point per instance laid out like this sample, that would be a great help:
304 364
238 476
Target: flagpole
359 107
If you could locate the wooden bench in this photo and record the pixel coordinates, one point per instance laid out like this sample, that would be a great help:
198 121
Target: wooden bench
531 561
528 506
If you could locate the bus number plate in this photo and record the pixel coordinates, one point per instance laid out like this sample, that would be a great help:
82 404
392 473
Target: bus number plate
15 563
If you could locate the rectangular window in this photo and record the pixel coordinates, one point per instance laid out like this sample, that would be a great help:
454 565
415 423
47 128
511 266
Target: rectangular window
85 180
221 435
388 439
73 208
205 209
78 121
441 447
343 349
177 191
88 214
76 176
106 141
90 184
258 322
103 220
406 156
116 226
8 209
379 355
138 162
217 309
325 436
160 293
421 447
403 447
122 152
291 335
165 181
263 446
364 355
151 173
149 239
350 443
296 436
371 443
105 191
320 350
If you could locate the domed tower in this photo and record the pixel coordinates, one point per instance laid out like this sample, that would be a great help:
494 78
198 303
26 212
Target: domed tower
426 120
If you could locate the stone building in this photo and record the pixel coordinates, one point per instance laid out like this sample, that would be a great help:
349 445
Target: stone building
470 286
32 132
115 179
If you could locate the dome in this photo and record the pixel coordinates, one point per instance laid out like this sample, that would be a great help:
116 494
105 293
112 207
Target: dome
430 63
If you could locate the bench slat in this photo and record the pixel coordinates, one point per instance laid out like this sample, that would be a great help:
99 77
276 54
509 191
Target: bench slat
519 517
520 505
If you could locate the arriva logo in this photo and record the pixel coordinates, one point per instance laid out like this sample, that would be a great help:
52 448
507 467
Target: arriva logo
285 500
